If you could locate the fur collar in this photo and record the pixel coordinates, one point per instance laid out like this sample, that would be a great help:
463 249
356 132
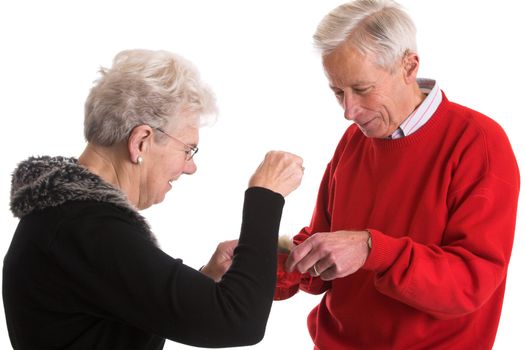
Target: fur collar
42 182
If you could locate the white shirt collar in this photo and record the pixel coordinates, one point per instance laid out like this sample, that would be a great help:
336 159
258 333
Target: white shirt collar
423 112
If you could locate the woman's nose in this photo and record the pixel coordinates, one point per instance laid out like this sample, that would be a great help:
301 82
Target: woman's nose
190 167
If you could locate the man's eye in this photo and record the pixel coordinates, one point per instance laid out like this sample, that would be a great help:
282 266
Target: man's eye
339 94
361 90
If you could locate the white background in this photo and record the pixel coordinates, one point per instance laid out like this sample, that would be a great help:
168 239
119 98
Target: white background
272 94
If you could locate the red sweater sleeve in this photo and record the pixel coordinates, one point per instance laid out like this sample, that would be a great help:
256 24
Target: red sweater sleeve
320 223
288 283
321 217
459 275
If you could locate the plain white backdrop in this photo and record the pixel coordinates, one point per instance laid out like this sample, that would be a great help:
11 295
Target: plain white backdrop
272 94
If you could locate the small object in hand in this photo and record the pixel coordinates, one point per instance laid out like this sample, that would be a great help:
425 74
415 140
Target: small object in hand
284 245
287 282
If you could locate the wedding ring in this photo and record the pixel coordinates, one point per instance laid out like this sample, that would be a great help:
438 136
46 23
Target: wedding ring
315 270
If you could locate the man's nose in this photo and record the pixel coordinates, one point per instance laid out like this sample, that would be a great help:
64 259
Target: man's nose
349 104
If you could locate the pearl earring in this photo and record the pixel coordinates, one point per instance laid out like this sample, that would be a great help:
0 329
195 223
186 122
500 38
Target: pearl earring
139 160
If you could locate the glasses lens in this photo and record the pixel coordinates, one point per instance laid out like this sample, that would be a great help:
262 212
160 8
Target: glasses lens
191 153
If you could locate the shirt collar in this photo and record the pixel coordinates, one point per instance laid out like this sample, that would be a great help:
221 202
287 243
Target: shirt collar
423 112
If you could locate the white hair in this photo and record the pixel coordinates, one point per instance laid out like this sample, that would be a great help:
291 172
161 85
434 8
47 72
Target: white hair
378 27
145 87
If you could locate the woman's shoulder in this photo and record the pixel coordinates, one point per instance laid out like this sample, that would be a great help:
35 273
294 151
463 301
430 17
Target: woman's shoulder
78 222
105 220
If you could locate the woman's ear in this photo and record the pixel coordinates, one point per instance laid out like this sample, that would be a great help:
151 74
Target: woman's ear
139 142
410 66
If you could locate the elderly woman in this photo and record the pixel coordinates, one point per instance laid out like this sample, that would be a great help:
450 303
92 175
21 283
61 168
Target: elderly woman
84 270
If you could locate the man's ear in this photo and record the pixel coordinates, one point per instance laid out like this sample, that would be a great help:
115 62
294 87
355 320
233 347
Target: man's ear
139 142
410 67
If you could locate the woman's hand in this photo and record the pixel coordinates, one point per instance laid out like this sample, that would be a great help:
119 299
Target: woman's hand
220 261
280 172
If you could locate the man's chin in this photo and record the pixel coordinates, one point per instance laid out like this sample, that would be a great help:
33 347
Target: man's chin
375 133
370 133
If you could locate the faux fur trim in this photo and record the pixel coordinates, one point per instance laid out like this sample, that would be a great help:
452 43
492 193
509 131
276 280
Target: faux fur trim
42 182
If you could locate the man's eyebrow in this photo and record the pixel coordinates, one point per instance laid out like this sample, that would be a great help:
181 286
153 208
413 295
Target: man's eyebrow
354 84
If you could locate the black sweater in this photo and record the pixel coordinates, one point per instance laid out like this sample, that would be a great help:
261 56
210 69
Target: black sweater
86 273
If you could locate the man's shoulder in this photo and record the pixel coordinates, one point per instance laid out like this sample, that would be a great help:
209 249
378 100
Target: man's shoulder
470 120
472 132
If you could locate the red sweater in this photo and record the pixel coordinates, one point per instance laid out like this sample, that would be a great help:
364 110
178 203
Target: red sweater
441 208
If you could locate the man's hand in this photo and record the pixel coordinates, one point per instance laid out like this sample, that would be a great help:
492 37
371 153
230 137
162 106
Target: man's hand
330 255
220 261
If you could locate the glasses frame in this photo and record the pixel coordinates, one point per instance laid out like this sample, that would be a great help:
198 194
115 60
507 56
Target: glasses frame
190 150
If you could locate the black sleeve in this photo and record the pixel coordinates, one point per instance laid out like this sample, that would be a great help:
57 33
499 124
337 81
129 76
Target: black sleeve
128 279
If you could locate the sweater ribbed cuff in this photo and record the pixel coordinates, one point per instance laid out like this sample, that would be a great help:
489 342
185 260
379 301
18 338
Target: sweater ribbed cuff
385 250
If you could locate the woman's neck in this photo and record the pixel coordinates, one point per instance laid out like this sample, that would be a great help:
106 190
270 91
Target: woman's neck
101 161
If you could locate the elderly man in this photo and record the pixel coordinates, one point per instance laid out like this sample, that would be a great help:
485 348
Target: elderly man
413 227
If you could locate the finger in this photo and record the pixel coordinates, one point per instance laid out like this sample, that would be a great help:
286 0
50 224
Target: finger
299 163
232 244
320 267
302 256
329 274
314 272
296 255
307 262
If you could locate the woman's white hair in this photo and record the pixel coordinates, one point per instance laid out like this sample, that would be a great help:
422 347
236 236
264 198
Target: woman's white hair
378 27
145 87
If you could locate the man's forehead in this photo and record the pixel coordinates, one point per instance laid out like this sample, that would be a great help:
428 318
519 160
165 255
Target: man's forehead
346 66
349 75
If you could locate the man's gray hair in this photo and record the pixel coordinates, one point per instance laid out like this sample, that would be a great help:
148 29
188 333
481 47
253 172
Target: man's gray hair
145 87
378 27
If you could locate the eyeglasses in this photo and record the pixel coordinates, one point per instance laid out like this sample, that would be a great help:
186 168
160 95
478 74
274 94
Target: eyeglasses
190 150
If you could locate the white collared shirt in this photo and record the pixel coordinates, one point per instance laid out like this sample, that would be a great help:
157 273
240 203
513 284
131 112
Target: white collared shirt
423 112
